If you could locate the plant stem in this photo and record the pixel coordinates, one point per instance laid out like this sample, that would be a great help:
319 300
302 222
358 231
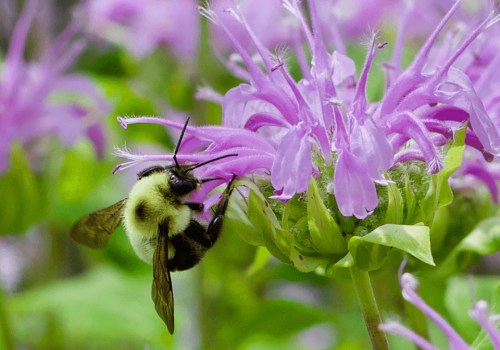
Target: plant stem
7 338
368 305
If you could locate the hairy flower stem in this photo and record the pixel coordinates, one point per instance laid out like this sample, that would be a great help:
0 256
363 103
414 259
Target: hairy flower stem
369 308
6 336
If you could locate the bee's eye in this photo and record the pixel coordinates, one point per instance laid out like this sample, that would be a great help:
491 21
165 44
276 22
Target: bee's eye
182 187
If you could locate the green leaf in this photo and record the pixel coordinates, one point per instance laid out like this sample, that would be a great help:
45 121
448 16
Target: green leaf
370 251
23 204
410 202
395 206
256 223
440 193
483 240
261 258
98 310
236 220
461 294
346 262
305 263
439 228
324 230
294 214
264 220
81 173
339 269
281 319
367 256
127 101
284 240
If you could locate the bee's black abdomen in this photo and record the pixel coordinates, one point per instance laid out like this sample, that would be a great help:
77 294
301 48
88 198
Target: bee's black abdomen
188 253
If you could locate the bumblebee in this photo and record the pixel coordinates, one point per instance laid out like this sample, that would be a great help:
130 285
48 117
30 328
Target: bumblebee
160 225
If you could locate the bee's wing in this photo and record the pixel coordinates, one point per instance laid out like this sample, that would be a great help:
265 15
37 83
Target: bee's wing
161 291
93 230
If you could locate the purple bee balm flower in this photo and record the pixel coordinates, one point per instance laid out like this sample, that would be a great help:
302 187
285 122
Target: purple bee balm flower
479 312
32 102
325 119
142 26
475 91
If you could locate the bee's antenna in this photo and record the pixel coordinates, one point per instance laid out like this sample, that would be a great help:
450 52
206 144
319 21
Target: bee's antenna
208 179
197 165
179 143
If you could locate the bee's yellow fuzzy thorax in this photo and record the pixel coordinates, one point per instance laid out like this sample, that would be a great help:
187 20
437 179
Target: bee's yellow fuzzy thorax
149 204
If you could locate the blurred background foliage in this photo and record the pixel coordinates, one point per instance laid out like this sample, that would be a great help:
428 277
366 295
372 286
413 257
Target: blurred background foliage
57 295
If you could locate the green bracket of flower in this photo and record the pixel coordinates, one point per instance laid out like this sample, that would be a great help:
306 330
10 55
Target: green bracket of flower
323 242
440 193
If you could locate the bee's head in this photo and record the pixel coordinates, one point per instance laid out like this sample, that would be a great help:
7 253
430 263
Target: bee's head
181 180
180 177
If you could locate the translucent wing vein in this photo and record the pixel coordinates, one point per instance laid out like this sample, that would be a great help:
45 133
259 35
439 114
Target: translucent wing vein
93 230
161 292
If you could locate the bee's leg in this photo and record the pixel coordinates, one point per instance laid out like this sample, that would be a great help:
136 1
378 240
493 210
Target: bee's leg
198 233
215 225
195 206
191 245
207 237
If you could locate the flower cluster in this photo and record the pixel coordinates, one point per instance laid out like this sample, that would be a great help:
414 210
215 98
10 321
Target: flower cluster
143 26
39 98
291 130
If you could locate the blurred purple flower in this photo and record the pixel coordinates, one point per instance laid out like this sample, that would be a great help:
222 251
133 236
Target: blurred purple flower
38 98
142 26
7 9
341 21
326 119
479 312
345 20
275 17
475 169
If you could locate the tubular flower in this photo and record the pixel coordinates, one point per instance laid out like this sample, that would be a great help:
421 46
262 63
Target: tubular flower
478 66
143 26
479 312
292 130
33 96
